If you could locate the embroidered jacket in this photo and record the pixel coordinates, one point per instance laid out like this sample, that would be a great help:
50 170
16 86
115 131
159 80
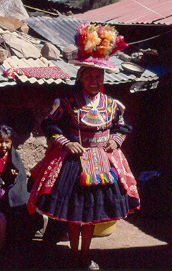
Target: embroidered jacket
71 115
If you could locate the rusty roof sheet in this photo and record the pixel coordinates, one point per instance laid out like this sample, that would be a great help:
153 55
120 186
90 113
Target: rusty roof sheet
132 11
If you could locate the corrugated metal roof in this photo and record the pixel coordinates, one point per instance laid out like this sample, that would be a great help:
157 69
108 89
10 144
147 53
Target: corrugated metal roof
60 31
52 29
110 78
70 70
132 11
15 62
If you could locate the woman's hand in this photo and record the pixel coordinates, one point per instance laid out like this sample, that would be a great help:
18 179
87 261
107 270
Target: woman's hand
110 146
74 148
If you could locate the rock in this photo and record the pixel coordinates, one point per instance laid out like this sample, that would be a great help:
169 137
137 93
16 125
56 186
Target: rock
14 24
3 55
49 51
70 52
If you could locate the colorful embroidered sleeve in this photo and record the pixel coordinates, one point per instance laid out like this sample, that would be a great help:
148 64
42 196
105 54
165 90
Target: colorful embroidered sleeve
117 133
54 126
60 140
119 137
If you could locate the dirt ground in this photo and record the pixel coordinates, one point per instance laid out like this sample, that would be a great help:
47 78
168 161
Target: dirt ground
137 243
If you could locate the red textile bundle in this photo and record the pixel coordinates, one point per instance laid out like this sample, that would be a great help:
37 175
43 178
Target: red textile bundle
37 72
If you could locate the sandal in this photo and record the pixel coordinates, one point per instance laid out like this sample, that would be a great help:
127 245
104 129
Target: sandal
87 264
93 266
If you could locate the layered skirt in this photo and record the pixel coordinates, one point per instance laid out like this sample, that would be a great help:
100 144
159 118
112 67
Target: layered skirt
57 191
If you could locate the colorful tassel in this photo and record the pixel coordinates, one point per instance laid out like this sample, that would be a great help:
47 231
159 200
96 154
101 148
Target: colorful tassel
99 179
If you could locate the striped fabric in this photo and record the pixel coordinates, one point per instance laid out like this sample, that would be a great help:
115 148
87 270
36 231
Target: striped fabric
60 140
37 72
90 138
96 168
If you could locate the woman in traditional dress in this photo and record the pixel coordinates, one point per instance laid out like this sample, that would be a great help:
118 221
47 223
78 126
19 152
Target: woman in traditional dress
85 179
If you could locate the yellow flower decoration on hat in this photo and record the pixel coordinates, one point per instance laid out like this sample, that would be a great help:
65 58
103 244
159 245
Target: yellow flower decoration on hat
95 40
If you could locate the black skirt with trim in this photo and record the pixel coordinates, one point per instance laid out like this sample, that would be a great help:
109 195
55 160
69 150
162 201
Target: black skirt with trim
69 201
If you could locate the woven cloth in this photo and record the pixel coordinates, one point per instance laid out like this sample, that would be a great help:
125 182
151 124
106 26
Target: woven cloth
44 175
37 72
126 177
96 168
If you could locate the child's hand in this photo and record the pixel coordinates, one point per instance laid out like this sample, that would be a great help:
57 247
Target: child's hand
14 172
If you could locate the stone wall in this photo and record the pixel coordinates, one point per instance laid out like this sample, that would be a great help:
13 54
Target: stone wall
24 108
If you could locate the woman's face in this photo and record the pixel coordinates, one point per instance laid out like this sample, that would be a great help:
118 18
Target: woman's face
92 80
5 145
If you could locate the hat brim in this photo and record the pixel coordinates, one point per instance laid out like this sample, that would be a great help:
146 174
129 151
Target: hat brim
107 67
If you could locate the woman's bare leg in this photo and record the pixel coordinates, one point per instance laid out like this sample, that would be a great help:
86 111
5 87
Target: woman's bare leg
87 234
74 232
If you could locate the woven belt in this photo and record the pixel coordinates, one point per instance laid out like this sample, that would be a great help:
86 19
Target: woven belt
90 139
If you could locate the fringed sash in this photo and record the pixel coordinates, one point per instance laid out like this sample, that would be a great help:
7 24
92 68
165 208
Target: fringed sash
96 168
126 177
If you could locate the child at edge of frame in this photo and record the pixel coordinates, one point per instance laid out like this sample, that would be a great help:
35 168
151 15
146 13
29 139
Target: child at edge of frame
17 227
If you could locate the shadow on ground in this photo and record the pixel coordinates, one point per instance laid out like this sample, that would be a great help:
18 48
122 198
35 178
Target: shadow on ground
158 227
39 257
